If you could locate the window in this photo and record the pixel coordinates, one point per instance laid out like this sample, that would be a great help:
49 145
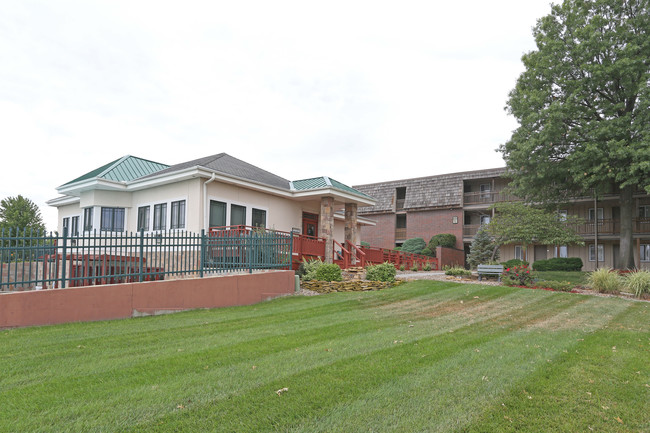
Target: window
601 253
66 226
143 218
644 211
217 213
237 215
178 214
519 252
644 253
160 216
400 221
485 188
400 197
562 251
74 227
259 218
112 219
88 219
562 214
485 219
592 214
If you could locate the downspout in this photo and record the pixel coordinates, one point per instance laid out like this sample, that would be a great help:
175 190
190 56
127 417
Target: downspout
206 206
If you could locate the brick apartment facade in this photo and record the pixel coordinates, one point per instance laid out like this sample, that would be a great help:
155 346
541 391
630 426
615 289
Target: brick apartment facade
459 203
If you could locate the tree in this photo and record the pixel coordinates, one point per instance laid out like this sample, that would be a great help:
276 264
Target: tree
517 223
20 213
583 108
483 249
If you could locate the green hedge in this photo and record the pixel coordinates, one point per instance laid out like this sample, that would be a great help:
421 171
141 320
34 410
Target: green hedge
559 264
514 262
447 240
414 245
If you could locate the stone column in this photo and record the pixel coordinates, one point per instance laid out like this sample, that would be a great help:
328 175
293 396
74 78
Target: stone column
327 226
351 228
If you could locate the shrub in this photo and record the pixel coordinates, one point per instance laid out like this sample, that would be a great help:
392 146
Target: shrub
559 264
402 267
604 280
446 240
514 262
307 269
427 267
562 286
328 272
365 244
427 252
457 271
414 245
397 249
383 272
638 283
517 276
414 268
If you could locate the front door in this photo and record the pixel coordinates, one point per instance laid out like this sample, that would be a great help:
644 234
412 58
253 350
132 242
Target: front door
540 252
309 224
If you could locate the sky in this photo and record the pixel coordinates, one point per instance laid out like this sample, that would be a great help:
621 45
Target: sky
361 91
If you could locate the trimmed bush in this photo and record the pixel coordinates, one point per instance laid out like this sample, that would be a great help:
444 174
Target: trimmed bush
514 262
365 244
562 286
328 272
559 264
446 240
414 245
383 272
517 276
604 280
637 282
427 252
307 269
457 271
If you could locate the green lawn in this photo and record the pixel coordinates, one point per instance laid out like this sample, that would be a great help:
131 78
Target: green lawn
423 357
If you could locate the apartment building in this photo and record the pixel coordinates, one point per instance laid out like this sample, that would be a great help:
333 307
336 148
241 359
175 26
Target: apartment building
459 203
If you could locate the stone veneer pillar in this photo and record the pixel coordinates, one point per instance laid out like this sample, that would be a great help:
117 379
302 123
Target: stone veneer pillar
351 228
327 226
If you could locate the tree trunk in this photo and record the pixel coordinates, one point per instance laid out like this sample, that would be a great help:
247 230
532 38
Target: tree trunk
627 220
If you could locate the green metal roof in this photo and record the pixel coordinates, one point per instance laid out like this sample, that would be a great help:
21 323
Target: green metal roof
124 169
324 182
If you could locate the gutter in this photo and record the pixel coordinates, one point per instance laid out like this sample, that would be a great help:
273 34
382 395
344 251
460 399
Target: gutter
205 200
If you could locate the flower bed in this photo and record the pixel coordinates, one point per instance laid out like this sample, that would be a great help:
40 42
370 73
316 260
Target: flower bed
346 286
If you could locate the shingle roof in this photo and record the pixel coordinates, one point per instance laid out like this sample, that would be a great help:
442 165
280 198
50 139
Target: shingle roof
124 169
324 182
425 192
226 164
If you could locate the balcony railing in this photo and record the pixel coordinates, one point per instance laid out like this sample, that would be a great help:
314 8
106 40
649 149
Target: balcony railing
487 197
400 234
605 227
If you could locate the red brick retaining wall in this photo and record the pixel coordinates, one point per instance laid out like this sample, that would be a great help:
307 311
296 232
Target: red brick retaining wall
80 304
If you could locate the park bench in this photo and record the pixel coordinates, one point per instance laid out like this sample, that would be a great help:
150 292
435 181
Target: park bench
490 270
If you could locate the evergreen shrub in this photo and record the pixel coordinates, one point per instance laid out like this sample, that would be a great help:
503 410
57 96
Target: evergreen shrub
514 262
427 252
446 240
457 271
481 249
559 264
307 269
414 245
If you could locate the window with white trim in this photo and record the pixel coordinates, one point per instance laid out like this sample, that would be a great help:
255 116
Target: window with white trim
112 219
644 253
592 253
143 218
88 219
592 214
485 219
644 211
237 215
258 218
562 251
519 252
178 214
160 216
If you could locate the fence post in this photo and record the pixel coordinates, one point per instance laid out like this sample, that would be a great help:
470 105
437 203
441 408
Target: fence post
291 250
64 259
250 252
141 259
202 253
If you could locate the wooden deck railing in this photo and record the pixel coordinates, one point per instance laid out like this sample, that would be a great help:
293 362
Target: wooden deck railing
310 247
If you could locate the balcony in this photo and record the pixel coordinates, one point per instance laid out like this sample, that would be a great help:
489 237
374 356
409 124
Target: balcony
487 197
605 227
400 234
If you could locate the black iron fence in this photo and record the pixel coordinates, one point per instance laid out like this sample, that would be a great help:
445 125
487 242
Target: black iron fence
30 260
